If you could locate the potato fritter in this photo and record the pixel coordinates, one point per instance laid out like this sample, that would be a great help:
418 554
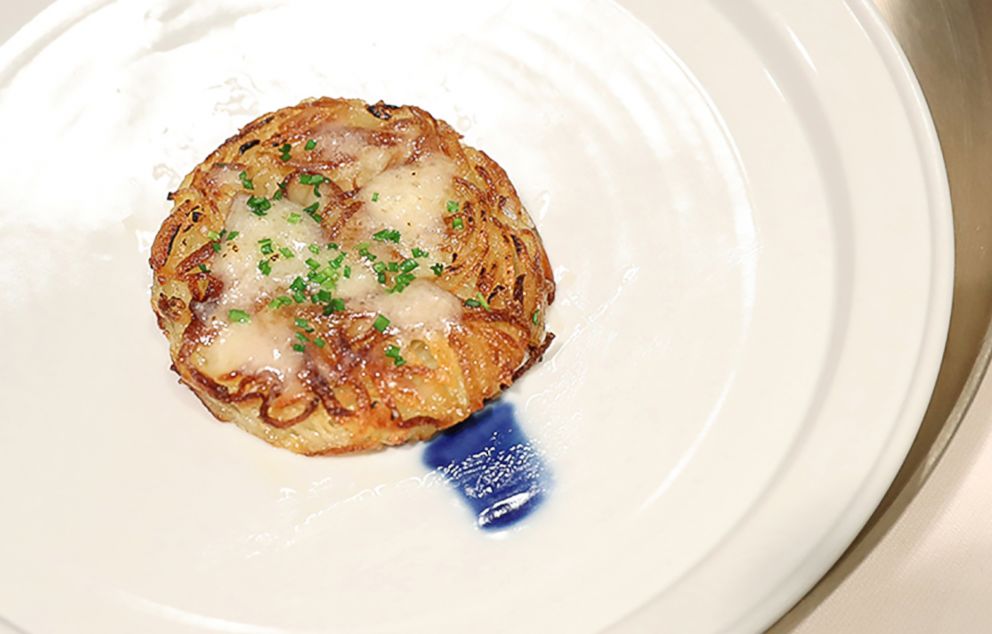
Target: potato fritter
341 276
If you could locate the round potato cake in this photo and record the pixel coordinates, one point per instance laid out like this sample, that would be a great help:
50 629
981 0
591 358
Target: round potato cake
340 276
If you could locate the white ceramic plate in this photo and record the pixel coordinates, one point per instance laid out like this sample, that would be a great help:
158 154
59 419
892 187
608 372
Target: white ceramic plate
745 207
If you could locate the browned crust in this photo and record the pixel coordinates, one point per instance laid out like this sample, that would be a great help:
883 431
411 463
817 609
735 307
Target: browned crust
498 254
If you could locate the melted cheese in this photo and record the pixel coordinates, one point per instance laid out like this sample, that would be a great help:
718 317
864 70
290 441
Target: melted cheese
253 347
237 263
423 306
412 199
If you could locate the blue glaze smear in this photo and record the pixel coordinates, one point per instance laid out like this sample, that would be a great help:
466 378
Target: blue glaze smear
493 465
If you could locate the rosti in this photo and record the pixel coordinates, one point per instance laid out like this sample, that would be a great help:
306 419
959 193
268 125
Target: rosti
341 276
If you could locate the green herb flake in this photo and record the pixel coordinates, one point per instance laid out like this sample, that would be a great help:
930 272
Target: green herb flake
299 347
279 302
347 272
333 246
285 149
381 323
294 218
535 318
408 265
394 267
479 301
245 181
402 281
387 235
265 267
438 269
393 352
419 253
213 235
299 297
215 246
233 235
320 343
203 268
312 263
303 324
286 252
298 285
457 224
452 206
302 337
314 249
323 296
238 315
259 206
311 144
375 197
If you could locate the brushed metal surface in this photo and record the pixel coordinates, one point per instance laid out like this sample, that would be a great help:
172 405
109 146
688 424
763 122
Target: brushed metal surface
949 44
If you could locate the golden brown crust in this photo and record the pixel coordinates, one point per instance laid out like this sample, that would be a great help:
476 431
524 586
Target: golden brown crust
352 397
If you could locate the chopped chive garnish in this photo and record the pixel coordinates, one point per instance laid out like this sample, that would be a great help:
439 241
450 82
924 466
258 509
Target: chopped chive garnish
452 206
238 315
264 267
335 305
394 267
336 262
323 296
479 301
347 272
215 246
419 253
363 250
318 342
245 181
402 281
233 235
203 268
279 302
333 245
393 352
277 195
299 347
311 179
302 337
312 263
375 197
409 265
387 235
285 151
311 144
311 210
265 246
314 249
286 252
457 223
259 206
381 323
535 317
298 285
438 269
282 192
379 267
294 218
299 297
213 235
